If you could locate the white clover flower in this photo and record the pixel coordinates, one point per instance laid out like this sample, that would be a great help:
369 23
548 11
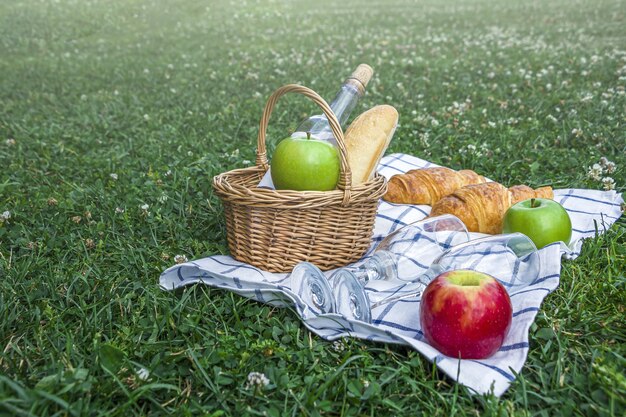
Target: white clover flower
146 117
339 345
10 142
257 380
5 216
119 210
145 207
113 176
180 259
143 374
587 97
577 132
595 172
424 137
608 183
608 166
552 118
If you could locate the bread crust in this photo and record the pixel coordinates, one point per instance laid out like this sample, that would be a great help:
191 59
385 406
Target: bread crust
428 185
367 139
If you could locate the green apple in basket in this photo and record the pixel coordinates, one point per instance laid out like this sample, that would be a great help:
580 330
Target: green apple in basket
543 220
305 164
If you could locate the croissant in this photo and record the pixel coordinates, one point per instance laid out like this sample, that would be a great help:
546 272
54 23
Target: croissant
428 185
482 206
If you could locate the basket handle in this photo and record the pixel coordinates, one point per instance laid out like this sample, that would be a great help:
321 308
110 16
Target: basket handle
345 175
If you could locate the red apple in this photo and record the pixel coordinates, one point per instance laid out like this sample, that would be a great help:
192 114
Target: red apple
465 314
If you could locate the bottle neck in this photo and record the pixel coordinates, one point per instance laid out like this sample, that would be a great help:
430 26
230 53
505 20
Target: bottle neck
342 105
345 101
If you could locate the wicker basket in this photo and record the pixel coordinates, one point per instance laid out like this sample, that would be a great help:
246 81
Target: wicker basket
276 229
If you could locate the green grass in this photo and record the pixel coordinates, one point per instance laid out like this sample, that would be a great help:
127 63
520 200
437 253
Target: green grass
167 94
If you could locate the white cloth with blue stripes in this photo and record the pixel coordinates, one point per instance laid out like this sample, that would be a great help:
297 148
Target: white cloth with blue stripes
591 212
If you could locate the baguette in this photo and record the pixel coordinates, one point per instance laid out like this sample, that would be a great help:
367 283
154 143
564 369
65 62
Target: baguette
367 139
428 185
482 206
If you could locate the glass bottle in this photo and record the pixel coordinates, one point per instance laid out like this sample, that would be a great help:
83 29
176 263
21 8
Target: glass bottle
342 105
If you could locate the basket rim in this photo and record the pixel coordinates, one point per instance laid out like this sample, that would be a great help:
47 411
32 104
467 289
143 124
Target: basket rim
371 190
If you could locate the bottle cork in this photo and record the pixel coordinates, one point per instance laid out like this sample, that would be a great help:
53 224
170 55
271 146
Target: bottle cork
360 77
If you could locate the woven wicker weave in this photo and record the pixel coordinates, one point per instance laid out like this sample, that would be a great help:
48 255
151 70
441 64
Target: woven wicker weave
276 229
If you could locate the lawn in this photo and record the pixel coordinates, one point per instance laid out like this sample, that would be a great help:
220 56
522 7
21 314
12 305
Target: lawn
115 115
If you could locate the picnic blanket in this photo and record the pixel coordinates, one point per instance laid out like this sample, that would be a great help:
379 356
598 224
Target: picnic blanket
591 212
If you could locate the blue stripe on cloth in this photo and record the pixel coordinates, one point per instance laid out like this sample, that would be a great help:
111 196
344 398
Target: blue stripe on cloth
179 274
240 266
608 203
333 330
593 213
515 346
409 300
568 195
482 253
440 358
237 282
530 290
402 215
495 368
526 310
413 161
206 277
386 311
547 277
391 219
259 295
392 336
419 237
391 160
398 326
584 232
415 262
391 167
